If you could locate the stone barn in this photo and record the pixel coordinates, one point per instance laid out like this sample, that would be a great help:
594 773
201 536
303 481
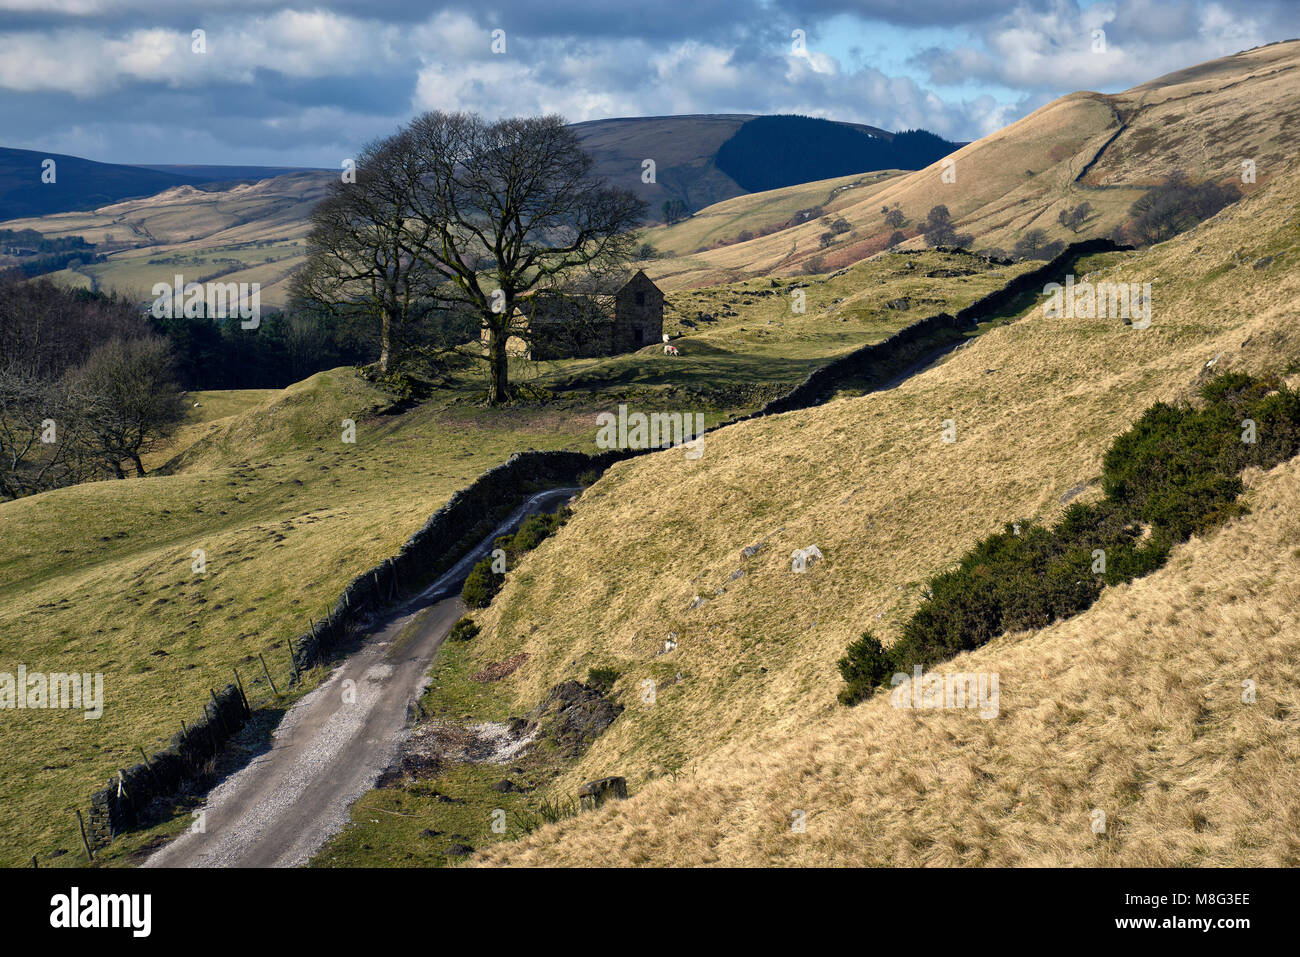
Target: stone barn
605 317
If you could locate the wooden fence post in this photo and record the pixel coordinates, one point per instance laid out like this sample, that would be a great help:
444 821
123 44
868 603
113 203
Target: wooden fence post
152 772
268 674
239 683
82 825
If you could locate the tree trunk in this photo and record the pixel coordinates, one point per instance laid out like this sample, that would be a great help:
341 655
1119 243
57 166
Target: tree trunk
139 466
499 367
385 342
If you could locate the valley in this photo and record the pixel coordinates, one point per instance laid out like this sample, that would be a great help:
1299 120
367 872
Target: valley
682 630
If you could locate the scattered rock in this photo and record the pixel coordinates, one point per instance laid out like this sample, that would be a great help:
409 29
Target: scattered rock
573 716
753 550
802 558
459 850
505 786
1073 492
738 573
595 793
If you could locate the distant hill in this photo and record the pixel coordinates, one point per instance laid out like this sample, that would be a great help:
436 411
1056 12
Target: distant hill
242 232
226 174
248 223
78 183
82 184
704 159
1099 152
770 152
685 150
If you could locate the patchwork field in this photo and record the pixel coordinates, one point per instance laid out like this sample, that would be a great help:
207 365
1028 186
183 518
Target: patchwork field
248 233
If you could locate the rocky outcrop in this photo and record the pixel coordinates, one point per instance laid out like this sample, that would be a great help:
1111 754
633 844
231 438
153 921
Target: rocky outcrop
573 715
595 793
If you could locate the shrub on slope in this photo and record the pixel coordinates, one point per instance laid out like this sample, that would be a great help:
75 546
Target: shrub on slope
483 582
1174 474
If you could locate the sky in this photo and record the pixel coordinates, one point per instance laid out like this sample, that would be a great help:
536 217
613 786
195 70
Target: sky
278 84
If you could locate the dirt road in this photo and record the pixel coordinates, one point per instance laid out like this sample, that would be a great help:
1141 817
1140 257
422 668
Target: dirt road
331 746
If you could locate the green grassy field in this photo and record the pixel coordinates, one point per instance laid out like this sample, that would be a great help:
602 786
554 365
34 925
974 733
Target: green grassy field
98 577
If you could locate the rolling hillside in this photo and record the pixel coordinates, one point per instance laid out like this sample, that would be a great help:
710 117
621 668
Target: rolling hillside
82 184
287 514
677 572
1085 147
252 231
1135 707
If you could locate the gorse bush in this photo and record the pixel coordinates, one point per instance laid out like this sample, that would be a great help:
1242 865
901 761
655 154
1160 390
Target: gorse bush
534 530
464 630
483 583
1174 474
864 667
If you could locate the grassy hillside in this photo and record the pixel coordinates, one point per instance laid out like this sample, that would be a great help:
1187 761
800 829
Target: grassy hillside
755 212
1085 147
98 577
1134 707
251 232
744 721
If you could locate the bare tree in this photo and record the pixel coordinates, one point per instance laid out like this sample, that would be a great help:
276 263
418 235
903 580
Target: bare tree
939 229
509 207
360 248
42 434
1074 218
130 399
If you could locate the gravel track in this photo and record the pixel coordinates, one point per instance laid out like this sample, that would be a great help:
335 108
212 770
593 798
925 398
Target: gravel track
331 746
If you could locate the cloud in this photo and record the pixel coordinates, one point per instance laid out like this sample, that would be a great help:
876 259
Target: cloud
1060 46
302 86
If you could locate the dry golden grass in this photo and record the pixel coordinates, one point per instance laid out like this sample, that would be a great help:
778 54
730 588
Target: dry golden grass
724 221
1205 120
1133 707
197 233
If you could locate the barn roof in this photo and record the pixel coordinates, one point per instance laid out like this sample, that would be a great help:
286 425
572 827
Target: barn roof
606 283
599 289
